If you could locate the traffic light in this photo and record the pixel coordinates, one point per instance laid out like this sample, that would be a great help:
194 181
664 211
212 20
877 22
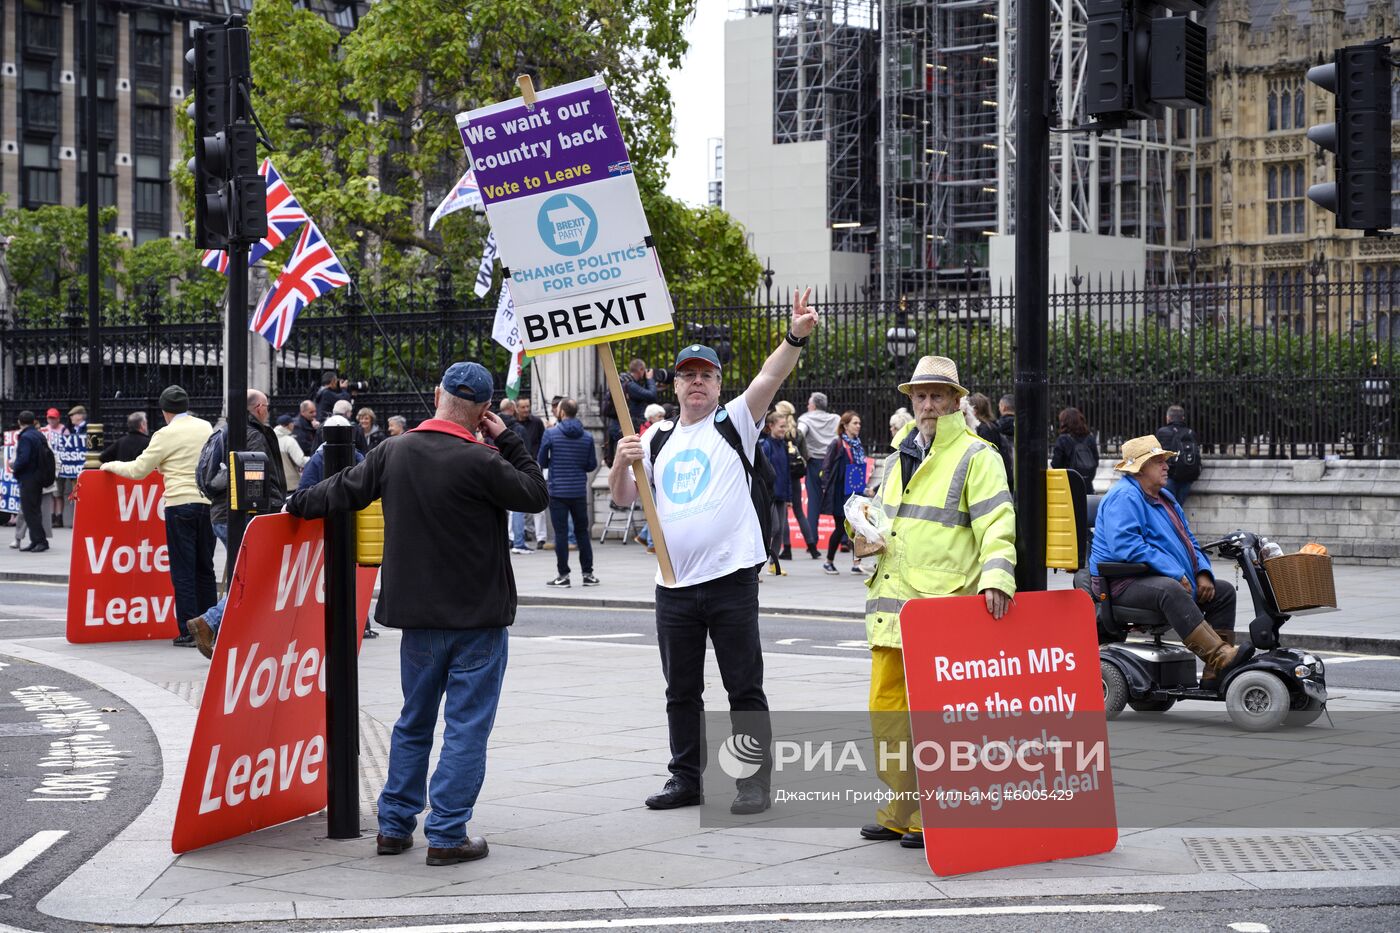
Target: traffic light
1359 136
230 195
1139 64
209 110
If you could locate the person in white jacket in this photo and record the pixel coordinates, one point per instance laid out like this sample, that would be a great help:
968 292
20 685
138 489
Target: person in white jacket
293 459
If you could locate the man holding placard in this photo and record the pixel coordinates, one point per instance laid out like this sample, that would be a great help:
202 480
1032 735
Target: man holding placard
701 469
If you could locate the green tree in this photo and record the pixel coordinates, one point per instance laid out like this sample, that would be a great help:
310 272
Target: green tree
47 252
365 124
164 264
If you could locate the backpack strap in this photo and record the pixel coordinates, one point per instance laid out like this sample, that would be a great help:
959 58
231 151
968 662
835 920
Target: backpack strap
725 426
659 439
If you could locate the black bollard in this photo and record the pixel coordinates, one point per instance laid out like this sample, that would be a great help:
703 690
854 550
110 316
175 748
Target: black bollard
342 671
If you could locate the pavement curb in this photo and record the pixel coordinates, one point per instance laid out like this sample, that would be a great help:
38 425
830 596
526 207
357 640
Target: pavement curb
1351 644
107 889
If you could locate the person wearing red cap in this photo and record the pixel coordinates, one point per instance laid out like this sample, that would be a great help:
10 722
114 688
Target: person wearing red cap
706 510
58 435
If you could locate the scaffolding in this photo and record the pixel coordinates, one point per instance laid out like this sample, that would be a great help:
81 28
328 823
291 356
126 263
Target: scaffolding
824 89
916 102
1116 184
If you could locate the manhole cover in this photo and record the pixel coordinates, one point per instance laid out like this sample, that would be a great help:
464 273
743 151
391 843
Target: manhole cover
1295 853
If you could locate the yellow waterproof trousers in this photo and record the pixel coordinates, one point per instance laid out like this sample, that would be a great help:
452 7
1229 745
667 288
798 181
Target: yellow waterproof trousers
889 723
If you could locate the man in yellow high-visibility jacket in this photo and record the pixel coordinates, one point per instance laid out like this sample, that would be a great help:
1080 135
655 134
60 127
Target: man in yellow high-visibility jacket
953 533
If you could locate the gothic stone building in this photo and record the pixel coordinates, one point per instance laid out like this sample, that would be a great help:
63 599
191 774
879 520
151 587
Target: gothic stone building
1253 222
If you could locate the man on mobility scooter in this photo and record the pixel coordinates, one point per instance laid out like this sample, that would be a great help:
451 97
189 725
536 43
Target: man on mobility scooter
1139 521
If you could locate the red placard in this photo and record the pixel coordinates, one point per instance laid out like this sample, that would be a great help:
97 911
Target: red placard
119 585
1027 689
259 748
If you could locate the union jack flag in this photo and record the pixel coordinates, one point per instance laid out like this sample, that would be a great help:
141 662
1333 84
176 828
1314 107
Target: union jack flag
284 216
284 213
312 271
215 259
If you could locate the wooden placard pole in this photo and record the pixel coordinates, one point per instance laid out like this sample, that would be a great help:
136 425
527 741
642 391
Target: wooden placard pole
639 472
527 89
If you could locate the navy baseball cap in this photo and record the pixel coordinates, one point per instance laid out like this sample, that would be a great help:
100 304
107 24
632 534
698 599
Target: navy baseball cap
697 351
284 420
469 381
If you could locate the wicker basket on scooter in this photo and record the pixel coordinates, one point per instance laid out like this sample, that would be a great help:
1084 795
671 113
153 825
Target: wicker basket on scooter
1302 581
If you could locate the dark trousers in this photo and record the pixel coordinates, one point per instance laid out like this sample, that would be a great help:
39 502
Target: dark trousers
726 610
779 542
31 491
190 538
560 511
839 534
1178 606
813 531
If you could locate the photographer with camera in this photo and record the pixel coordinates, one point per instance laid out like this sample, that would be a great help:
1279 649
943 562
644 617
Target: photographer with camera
332 390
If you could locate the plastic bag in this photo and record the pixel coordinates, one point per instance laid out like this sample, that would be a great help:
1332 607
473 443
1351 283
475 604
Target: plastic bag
869 522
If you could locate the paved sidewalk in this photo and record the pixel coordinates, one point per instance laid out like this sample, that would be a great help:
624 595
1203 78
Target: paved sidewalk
1368 620
581 740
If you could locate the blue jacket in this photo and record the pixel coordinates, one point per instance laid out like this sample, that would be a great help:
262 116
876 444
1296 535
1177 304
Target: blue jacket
1132 529
30 442
639 395
568 454
315 469
776 452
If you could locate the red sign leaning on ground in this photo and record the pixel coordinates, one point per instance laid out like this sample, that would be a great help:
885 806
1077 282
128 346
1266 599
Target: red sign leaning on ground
259 748
119 570
1009 731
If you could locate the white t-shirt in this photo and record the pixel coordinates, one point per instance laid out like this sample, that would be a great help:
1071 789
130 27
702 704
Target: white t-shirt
702 497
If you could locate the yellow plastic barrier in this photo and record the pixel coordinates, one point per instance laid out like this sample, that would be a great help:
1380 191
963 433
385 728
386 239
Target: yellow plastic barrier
1061 534
369 534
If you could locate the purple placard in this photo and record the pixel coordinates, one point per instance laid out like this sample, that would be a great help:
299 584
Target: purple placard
566 140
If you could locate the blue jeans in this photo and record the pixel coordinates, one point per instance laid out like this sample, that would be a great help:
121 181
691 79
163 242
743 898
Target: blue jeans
814 503
517 529
221 531
560 512
190 538
214 615
1179 491
468 666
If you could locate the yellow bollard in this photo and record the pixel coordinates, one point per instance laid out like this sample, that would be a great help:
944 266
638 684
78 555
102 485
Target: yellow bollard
369 534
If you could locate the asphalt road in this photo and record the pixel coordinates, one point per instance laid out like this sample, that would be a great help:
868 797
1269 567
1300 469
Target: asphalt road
76 768
30 610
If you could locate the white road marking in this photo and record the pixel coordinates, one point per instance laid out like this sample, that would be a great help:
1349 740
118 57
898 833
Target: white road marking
790 641
1361 657
1250 927
529 926
581 637
27 851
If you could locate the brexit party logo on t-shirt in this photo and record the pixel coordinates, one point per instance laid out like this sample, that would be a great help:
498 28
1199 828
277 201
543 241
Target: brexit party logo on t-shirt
686 477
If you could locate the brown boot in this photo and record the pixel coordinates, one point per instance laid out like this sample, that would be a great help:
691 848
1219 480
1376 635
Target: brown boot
1221 658
1208 675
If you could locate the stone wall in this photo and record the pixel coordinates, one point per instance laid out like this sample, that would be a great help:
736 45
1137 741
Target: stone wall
1351 506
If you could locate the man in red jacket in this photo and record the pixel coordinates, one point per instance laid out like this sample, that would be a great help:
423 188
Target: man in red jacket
446 498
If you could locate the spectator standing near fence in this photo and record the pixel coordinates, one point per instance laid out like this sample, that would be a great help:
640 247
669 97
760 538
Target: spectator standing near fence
174 451
818 429
132 443
775 446
843 475
1185 467
1076 448
30 470
567 455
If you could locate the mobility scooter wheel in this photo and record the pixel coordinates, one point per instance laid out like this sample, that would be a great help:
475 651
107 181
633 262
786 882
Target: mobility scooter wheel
1115 689
1257 701
1152 706
1304 711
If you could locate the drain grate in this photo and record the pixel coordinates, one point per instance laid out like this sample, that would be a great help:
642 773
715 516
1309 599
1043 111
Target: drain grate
1295 853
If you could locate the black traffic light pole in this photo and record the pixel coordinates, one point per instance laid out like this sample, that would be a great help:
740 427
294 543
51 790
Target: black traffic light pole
342 674
1032 287
94 416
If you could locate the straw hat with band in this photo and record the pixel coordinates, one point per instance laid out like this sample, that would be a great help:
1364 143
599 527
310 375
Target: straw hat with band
934 370
1138 451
